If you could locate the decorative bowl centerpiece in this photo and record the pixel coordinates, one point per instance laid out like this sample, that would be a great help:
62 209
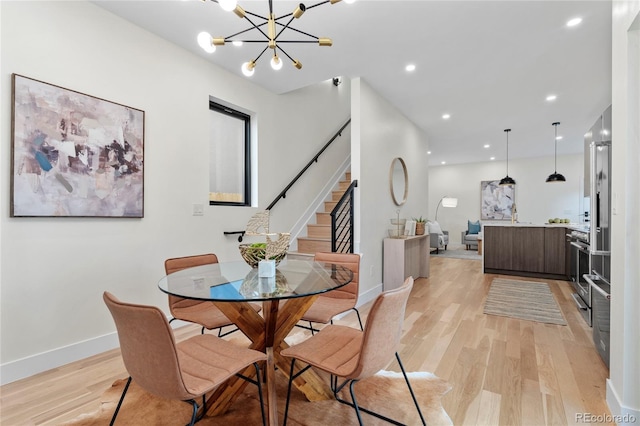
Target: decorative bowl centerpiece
254 253
275 247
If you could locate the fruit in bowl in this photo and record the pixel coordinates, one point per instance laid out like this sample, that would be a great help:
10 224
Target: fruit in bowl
254 253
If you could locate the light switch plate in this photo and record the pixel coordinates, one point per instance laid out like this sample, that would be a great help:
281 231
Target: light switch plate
198 209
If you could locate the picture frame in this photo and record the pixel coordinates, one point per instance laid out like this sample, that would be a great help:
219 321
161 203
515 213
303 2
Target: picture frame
496 201
410 228
73 154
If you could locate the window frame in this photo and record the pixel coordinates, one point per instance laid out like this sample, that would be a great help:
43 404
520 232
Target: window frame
246 118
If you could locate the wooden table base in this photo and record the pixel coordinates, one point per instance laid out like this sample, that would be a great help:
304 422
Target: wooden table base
267 335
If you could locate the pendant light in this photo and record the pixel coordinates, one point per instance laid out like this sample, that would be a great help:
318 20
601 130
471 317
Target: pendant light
555 176
507 180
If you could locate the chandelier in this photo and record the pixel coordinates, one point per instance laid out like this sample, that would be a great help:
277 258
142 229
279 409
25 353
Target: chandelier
270 30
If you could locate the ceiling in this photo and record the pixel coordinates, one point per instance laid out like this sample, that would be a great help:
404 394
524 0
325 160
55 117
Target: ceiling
489 64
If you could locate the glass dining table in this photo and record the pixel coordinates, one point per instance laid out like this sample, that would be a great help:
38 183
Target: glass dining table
285 297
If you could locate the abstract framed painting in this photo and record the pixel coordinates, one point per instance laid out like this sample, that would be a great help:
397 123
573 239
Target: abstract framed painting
74 155
496 201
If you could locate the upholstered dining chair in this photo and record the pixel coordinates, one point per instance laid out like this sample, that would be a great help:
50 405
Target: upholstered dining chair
355 355
184 371
200 312
335 302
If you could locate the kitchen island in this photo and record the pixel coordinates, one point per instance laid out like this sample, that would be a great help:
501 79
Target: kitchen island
527 250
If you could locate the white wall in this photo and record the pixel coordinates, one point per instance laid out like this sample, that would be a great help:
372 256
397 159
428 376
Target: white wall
536 200
54 270
380 134
623 387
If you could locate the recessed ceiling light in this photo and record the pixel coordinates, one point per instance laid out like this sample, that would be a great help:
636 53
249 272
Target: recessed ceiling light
573 22
551 98
443 162
410 67
492 158
428 152
559 138
487 145
446 116
237 43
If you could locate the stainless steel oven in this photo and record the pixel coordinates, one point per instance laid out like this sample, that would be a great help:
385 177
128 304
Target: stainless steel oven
582 264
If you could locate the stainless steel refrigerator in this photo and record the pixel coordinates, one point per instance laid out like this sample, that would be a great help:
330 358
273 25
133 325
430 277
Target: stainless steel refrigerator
600 231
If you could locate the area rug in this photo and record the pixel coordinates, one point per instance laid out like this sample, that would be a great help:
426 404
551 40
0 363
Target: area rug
527 300
458 254
386 393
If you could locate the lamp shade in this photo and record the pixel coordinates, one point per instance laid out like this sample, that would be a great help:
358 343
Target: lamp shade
446 201
449 202
555 176
507 180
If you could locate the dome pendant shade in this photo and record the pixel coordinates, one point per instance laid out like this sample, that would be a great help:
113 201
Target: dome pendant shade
507 180
555 176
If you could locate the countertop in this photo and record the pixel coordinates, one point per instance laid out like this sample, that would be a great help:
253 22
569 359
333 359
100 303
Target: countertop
573 226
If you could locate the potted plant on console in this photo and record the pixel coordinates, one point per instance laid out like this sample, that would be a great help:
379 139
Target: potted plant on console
420 225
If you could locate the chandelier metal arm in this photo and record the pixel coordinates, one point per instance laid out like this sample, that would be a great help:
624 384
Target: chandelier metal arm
301 32
261 53
286 54
257 27
318 4
284 27
228 38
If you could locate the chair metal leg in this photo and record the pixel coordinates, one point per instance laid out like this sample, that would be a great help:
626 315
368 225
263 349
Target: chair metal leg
413 396
259 383
355 402
286 407
359 319
194 414
124 392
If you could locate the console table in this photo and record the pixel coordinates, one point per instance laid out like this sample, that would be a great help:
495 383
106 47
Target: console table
404 257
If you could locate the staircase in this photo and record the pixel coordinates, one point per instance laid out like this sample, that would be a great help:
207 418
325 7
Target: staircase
319 234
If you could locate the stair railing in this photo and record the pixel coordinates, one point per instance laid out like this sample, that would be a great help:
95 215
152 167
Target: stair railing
283 194
342 222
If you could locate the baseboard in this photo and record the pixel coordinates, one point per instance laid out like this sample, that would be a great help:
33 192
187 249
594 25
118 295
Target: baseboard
29 366
620 414
32 365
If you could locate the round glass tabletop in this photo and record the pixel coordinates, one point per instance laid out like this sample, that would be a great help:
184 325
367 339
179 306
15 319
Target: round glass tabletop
238 282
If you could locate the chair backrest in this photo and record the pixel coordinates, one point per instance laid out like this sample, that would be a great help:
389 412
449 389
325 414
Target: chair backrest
350 261
383 331
179 263
148 348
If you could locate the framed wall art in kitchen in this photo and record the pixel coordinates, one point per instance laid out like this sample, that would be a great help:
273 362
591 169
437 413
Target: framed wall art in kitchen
74 155
496 201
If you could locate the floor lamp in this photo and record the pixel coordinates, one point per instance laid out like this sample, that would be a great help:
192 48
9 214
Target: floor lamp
446 201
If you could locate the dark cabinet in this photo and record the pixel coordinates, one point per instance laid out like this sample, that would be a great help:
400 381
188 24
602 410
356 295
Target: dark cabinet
522 250
499 239
555 259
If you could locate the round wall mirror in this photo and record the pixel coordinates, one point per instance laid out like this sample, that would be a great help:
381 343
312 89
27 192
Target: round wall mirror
398 181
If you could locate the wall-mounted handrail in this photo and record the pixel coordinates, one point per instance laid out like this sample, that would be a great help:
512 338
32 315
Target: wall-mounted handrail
342 222
283 194
236 232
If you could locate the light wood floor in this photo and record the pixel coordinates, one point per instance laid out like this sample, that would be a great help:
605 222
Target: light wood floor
503 371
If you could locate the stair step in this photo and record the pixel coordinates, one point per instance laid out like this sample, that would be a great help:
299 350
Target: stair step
313 245
336 195
321 231
329 205
296 255
343 185
323 218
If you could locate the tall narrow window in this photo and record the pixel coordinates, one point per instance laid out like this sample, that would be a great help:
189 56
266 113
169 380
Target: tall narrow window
229 157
